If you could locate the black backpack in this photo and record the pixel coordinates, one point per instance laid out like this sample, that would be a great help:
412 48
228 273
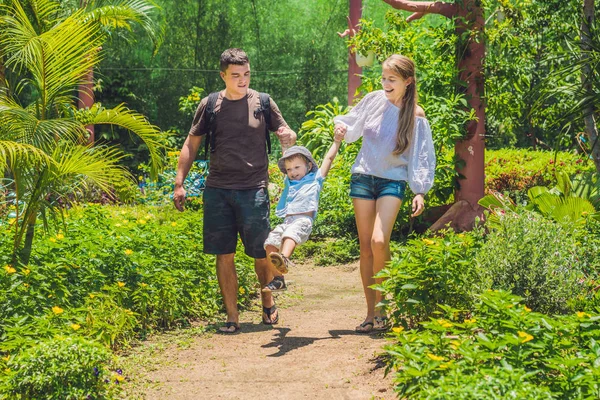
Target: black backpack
210 119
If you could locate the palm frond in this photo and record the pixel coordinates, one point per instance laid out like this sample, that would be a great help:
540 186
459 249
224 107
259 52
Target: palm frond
79 167
13 154
136 123
19 125
123 14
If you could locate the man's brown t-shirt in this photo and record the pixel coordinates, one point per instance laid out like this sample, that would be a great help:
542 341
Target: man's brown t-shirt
240 158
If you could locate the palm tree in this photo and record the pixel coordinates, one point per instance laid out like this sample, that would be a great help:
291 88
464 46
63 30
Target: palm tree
42 134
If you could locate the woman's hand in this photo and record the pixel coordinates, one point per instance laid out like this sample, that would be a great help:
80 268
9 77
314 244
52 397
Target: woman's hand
418 205
339 132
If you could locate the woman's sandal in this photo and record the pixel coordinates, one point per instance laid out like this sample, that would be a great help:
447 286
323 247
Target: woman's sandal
365 327
227 328
381 324
267 315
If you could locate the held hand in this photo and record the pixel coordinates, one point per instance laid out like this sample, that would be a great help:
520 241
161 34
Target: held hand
418 205
339 132
179 198
285 137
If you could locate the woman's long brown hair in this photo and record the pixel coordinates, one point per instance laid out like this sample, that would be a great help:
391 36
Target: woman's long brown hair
404 67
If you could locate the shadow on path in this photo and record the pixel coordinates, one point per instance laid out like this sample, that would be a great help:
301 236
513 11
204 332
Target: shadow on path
285 344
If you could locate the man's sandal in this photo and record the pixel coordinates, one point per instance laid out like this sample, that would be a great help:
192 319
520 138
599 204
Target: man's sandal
280 262
276 285
227 328
267 317
365 327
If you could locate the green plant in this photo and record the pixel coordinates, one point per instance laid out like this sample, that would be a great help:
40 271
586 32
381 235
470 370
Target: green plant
504 350
316 134
42 132
59 368
429 272
535 258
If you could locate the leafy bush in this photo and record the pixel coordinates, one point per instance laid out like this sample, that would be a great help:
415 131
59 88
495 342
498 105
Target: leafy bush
428 272
514 171
329 252
534 258
504 351
61 368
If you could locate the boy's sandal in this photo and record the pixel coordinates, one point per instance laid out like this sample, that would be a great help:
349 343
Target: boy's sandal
276 285
381 324
280 262
267 317
227 328
365 327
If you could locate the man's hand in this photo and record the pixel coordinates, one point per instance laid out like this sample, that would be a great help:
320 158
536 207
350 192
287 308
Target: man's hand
418 205
339 132
287 137
179 197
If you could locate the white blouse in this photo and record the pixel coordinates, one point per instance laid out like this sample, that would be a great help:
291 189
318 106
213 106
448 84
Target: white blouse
375 118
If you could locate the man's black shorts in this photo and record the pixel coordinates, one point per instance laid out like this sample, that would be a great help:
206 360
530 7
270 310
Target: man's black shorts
229 211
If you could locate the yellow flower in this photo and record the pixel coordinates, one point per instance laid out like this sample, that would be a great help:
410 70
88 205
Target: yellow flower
581 314
6 358
140 178
470 321
92 295
141 221
173 223
526 336
434 357
242 290
75 326
527 309
143 284
26 285
119 378
428 242
445 366
57 310
60 236
128 252
455 344
9 270
444 323
397 329
26 271
52 240
121 284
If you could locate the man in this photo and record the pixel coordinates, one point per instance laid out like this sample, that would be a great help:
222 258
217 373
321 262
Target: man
236 197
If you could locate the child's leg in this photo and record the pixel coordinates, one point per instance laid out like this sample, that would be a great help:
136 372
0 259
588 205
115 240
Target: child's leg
269 248
287 247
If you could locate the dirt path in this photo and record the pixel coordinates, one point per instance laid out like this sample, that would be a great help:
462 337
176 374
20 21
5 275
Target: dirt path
313 353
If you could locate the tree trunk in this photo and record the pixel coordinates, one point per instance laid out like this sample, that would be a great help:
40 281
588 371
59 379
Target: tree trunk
586 80
470 24
353 69
86 99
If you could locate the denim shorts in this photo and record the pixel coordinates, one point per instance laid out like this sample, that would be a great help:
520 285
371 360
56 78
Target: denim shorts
228 212
371 187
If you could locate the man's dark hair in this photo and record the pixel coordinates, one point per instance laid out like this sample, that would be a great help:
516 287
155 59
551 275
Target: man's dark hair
233 56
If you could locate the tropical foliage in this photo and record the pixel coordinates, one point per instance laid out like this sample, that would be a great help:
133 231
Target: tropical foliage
43 140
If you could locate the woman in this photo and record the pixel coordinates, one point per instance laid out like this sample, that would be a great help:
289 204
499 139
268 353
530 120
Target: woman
397 149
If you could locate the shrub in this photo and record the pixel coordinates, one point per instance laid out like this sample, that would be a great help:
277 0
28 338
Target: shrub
504 351
428 272
59 368
535 258
514 171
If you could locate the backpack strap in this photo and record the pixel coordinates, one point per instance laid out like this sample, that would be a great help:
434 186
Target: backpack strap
265 108
210 123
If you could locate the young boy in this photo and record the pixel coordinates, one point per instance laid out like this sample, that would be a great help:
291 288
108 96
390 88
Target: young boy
298 206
